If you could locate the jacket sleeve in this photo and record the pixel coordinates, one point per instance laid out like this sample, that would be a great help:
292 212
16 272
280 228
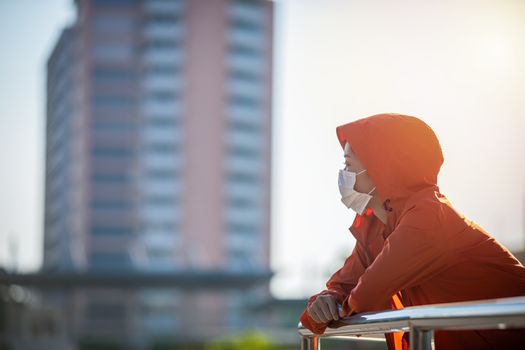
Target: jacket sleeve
346 278
338 286
413 253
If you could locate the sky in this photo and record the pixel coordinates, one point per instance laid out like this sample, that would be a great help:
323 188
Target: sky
30 29
459 66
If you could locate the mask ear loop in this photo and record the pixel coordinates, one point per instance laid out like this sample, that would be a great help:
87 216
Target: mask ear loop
362 171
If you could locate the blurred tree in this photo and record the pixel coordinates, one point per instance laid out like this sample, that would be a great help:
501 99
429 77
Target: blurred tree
250 340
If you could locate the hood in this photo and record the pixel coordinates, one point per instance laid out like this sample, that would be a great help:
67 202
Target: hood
401 153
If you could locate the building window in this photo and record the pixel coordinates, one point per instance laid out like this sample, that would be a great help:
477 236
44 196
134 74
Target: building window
243 152
110 205
243 50
115 2
113 75
245 25
162 96
113 24
161 147
244 101
243 177
238 125
160 253
161 121
161 200
112 152
161 174
113 101
113 126
241 260
249 229
113 51
160 226
168 18
165 44
243 75
109 261
111 231
162 70
111 179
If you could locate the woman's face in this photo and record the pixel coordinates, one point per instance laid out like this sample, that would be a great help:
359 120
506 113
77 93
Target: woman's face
363 182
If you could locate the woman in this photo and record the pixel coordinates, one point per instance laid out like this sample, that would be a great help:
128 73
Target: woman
412 246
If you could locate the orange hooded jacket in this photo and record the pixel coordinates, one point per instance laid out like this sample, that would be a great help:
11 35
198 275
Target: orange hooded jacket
427 252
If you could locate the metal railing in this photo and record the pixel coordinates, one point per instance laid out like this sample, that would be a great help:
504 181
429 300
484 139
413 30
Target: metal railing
421 321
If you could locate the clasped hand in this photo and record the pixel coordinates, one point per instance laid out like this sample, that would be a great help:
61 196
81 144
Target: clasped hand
325 309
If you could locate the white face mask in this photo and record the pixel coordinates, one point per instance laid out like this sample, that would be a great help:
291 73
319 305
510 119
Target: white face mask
354 200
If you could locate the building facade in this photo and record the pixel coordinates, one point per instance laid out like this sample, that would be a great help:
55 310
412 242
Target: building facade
158 158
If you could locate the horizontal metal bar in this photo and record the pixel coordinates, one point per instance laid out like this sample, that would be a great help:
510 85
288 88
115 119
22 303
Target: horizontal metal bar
136 279
380 338
485 314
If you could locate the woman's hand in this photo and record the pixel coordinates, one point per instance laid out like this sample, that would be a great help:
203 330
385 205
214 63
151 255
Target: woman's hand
324 309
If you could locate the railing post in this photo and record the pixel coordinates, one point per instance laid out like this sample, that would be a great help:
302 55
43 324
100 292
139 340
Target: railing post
310 343
420 339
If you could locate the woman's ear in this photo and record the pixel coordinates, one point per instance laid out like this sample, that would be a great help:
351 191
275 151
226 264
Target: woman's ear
347 148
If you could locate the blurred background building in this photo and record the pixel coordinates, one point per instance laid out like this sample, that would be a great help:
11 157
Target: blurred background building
158 161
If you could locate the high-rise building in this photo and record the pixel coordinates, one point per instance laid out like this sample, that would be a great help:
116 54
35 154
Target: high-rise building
158 154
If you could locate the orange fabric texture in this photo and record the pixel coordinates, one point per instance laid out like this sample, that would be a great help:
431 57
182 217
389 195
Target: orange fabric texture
427 252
